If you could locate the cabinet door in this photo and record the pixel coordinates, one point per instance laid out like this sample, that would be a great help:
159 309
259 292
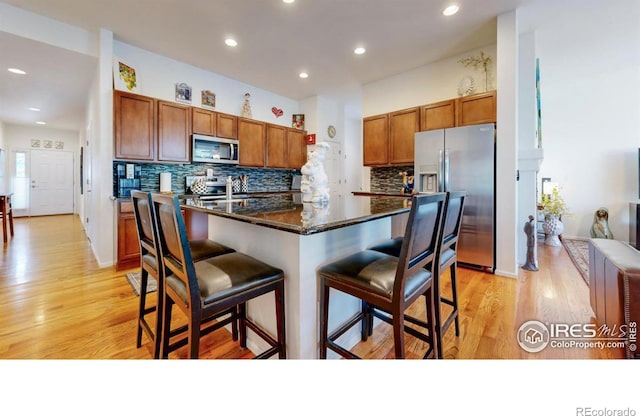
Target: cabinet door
173 132
296 148
276 146
440 115
375 140
128 244
403 126
134 126
203 121
477 109
226 126
251 135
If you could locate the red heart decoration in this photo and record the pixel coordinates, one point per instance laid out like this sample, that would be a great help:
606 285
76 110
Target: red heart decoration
277 111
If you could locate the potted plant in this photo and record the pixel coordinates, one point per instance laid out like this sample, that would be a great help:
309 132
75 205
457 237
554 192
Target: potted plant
553 207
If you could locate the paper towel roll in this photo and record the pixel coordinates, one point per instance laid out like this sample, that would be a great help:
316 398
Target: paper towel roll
165 182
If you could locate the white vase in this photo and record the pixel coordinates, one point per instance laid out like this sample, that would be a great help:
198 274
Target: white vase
552 227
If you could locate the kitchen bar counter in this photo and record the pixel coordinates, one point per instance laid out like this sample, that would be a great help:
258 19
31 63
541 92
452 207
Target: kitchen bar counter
286 212
298 238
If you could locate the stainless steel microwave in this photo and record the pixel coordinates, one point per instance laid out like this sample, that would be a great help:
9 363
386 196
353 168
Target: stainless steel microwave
210 149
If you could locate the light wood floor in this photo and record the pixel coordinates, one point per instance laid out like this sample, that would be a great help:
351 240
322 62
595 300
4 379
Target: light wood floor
57 303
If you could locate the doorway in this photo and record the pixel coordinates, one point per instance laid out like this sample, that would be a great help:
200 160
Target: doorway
42 182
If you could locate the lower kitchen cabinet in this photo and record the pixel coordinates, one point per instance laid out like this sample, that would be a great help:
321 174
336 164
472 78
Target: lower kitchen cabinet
197 225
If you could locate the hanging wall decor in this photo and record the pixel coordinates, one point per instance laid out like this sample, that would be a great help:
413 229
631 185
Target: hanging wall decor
183 93
297 121
208 99
124 77
277 111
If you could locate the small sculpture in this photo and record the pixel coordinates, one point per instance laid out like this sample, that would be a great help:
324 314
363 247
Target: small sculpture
529 230
600 227
314 184
246 107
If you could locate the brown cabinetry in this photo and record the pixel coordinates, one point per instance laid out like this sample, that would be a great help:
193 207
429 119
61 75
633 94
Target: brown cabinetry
128 245
403 126
251 137
147 129
134 126
197 224
296 148
174 130
226 126
388 139
375 140
476 109
439 115
286 147
276 146
203 121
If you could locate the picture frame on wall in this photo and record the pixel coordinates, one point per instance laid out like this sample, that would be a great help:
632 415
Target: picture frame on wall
208 99
183 93
124 77
297 121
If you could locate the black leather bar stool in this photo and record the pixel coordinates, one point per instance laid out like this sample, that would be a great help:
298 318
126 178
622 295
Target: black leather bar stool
388 285
447 260
147 236
212 288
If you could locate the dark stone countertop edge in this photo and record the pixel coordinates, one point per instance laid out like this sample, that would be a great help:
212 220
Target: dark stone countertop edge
382 194
297 229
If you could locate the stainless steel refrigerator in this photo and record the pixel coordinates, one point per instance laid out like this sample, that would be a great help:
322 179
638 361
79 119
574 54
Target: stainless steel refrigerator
463 159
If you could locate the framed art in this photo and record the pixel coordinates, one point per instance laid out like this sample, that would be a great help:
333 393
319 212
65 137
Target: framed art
208 99
48 144
297 121
183 93
124 77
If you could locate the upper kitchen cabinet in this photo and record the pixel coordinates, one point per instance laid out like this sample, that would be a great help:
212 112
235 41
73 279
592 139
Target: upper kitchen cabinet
276 146
296 148
403 126
174 129
251 135
203 121
476 109
440 115
134 126
226 126
375 133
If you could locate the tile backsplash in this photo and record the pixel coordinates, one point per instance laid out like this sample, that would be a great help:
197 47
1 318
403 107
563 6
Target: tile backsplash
388 179
260 179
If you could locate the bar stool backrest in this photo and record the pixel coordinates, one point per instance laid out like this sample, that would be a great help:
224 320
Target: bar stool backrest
421 238
175 253
453 218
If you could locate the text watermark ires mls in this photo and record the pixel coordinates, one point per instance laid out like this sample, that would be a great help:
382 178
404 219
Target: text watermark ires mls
535 336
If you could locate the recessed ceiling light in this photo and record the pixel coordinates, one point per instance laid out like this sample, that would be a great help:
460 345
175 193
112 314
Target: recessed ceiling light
17 71
451 10
40 122
230 42
359 50
288 1
303 75
34 109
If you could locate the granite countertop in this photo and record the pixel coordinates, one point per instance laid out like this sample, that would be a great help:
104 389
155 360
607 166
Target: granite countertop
382 194
286 212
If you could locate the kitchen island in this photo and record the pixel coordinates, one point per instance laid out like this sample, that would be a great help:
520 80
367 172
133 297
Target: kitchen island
298 238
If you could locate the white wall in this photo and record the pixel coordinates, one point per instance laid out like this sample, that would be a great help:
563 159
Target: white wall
590 73
427 84
157 75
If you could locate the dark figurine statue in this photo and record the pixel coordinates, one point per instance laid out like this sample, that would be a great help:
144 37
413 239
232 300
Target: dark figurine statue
530 231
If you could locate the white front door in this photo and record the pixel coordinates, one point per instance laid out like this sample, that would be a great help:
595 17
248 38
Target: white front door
51 182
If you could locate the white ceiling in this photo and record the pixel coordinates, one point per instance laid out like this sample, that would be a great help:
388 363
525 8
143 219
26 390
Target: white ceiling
276 42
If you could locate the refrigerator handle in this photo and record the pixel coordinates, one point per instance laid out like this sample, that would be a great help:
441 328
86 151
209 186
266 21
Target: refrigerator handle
440 171
446 170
